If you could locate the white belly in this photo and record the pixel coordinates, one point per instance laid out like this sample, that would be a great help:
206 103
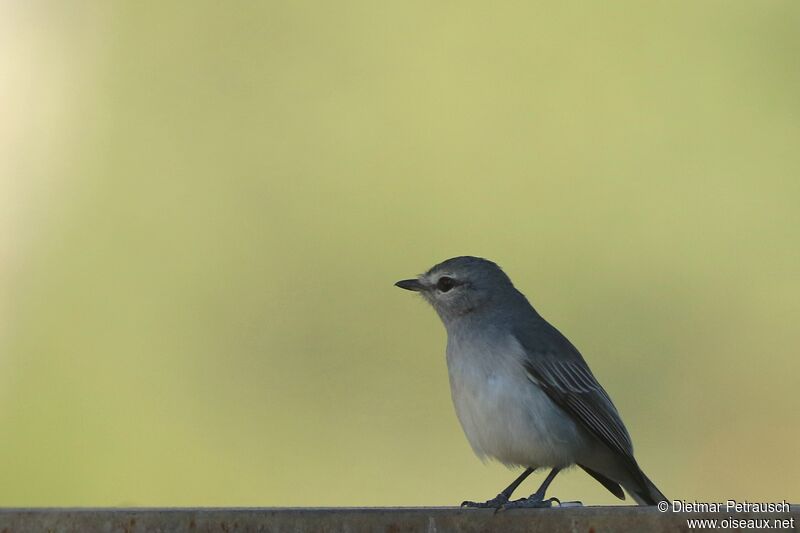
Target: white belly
503 414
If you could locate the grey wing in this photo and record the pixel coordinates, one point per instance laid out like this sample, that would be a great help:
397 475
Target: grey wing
555 365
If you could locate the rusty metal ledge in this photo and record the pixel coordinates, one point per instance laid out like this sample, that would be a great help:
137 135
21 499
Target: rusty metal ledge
352 520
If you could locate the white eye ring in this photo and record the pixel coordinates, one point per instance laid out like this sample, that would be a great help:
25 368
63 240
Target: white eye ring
445 283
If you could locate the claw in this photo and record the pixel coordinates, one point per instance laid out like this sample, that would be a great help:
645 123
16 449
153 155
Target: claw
529 503
494 503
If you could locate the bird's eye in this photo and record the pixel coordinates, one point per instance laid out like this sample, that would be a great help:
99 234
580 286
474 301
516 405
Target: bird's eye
445 284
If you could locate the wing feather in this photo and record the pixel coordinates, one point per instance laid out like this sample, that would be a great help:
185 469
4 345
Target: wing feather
554 364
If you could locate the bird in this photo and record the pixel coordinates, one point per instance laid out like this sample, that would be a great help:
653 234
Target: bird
523 393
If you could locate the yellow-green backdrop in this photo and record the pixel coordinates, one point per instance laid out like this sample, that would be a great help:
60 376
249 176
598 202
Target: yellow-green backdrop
204 206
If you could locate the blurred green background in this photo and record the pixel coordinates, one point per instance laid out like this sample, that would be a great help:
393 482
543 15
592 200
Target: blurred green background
204 206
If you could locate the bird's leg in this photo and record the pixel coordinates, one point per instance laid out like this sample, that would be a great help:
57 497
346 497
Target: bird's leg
536 500
503 497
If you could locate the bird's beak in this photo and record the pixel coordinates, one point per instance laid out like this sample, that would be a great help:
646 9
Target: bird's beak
410 285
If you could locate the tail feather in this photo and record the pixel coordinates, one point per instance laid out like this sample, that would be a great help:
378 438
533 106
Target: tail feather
612 486
646 493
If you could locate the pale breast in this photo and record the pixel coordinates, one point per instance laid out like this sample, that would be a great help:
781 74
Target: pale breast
504 415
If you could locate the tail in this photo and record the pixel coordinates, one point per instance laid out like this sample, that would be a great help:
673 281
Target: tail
645 492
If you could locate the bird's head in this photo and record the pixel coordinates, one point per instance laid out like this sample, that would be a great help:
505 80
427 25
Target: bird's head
460 286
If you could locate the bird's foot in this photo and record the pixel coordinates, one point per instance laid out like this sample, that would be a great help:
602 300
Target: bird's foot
495 503
531 503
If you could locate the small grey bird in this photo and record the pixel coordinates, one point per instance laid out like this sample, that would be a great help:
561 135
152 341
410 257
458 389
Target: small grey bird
522 392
